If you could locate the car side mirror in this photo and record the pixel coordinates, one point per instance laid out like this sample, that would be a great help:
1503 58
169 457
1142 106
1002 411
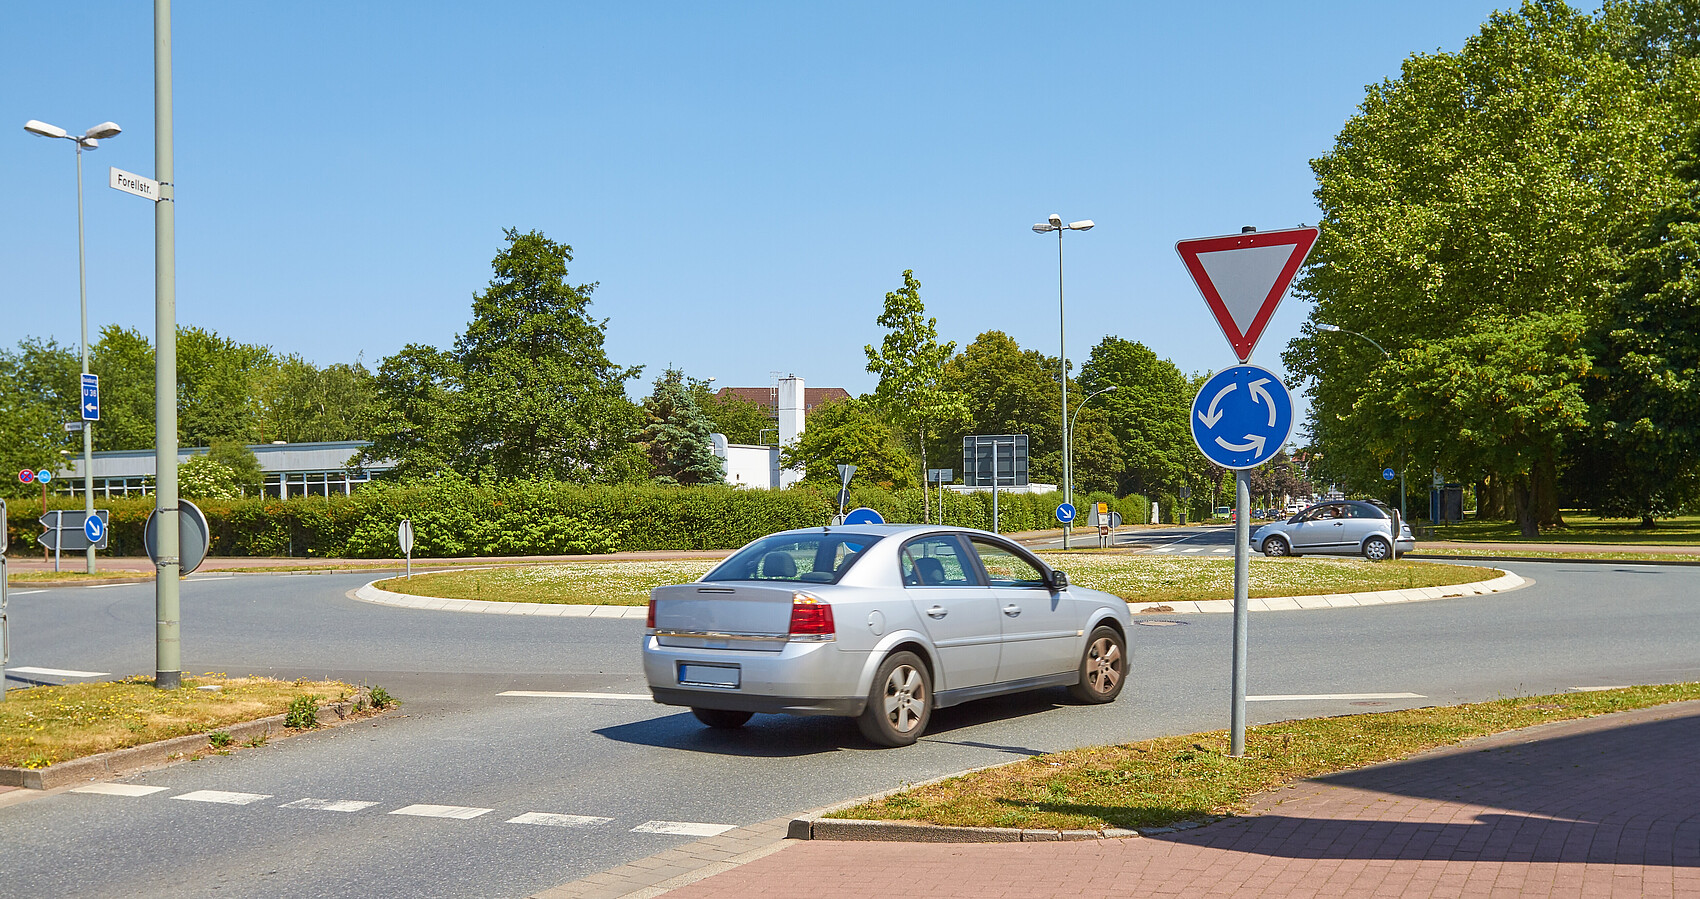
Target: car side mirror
1059 580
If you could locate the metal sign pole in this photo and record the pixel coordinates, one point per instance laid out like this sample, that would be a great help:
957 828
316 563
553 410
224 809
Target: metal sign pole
168 667
995 488
1242 608
5 628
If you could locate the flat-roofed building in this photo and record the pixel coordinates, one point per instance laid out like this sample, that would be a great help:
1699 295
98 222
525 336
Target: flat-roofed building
291 469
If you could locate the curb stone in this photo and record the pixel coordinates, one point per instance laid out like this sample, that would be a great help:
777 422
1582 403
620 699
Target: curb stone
373 594
158 754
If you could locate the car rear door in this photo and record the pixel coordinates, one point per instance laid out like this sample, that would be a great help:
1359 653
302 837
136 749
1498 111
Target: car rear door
1040 633
1319 529
956 607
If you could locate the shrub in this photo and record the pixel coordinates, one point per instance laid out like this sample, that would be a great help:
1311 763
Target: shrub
303 712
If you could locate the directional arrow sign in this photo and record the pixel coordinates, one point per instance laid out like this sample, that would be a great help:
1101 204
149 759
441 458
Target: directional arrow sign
91 397
1242 417
1244 276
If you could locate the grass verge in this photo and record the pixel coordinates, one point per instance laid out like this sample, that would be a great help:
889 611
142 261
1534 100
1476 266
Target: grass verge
42 726
1134 578
1173 779
1559 556
1580 527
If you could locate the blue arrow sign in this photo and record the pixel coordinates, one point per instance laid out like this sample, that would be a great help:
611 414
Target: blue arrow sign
1242 417
91 397
1065 513
93 528
1387 474
863 515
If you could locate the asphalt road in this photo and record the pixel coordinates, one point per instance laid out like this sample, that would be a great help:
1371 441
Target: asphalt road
619 764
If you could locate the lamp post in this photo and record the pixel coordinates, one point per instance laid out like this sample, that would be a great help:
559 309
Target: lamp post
1055 223
89 140
1073 419
1321 326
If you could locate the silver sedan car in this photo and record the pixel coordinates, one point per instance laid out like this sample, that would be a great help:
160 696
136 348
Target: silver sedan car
882 623
1349 527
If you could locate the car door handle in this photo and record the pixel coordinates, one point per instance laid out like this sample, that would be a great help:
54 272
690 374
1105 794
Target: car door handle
937 612
1339 524
1012 610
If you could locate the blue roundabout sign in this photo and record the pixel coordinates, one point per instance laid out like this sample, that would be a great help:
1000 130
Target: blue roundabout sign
1242 417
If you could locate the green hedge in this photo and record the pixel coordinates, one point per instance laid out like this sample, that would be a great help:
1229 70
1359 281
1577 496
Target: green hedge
454 518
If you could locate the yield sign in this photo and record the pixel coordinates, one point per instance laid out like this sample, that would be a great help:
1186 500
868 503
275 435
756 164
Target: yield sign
1244 276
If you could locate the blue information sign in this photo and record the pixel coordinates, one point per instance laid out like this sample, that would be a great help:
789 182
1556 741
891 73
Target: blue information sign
1065 513
1387 474
91 397
1242 417
864 515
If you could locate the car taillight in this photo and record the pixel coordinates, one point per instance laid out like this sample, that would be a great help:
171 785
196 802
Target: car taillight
811 619
650 623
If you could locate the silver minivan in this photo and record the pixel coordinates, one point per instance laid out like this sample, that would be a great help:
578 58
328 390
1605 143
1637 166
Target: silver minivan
882 623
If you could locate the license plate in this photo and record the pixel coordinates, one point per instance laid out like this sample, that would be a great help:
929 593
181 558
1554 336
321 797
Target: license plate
708 675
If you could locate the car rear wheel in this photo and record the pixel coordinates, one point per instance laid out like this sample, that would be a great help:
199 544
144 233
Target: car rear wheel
1377 549
1276 546
900 703
1103 667
721 718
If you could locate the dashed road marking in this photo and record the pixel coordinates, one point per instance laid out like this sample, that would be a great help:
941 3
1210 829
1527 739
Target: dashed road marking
119 789
1224 549
1284 697
1166 549
1572 689
56 672
216 577
119 584
329 805
556 694
24 592
225 796
1195 549
554 820
460 812
683 828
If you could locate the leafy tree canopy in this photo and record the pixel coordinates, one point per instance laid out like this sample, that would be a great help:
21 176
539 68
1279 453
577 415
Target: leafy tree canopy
851 432
1007 390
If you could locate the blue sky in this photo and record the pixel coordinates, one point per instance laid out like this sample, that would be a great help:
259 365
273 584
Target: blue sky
745 180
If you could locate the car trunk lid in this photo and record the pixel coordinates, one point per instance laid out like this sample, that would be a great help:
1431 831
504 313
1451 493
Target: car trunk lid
727 615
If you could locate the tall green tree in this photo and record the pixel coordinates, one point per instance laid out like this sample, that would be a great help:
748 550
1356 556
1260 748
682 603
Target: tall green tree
299 402
1147 412
677 434
549 402
741 420
38 393
1468 199
217 381
123 359
1008 390
851 432
417 413
910 365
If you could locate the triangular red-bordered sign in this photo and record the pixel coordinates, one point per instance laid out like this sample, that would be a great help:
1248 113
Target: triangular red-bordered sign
1244 276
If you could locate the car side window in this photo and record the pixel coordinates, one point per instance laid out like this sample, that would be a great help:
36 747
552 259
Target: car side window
1005 568
936 561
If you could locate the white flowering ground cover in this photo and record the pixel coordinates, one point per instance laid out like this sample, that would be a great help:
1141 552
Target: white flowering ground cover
1135 578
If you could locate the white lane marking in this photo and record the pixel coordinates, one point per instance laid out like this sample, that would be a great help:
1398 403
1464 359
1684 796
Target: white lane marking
1223 550
216 577
23 592
119 789
683 828
1166 549
224 796
1195 549
1572 689
329 805
1282 697
460 812
57 672
554 820
121 584
553 694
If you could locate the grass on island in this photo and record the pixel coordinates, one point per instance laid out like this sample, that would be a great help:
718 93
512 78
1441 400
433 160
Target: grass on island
1159 782
1134 578
42 726
1579 527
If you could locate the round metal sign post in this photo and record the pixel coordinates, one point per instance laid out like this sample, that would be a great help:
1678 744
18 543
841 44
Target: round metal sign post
193 536
404 537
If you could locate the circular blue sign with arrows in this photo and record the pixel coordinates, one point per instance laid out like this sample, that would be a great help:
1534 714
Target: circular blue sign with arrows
93 528
1242 417
863 515
1065 513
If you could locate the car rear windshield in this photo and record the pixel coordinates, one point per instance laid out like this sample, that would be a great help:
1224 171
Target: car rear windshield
796 558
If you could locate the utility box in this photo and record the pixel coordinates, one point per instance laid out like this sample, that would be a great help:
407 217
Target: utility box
1446 504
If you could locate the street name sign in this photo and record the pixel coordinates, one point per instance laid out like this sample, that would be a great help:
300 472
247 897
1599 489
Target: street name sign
1242 417
1243 277
91 397
132 183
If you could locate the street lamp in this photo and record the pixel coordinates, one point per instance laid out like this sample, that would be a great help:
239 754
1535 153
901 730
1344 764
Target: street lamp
1055 223
1321 326
89 140
1074 419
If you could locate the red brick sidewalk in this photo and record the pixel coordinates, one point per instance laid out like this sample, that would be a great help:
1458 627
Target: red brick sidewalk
1608 806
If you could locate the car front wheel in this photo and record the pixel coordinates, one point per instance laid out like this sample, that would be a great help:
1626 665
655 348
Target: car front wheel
1276 546
1377 549
900 703
1103 667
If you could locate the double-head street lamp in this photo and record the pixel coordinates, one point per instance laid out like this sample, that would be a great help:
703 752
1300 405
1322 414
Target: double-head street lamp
1321 326
1055 223
89 140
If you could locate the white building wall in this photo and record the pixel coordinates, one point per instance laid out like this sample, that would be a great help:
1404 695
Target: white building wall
790 424
751 466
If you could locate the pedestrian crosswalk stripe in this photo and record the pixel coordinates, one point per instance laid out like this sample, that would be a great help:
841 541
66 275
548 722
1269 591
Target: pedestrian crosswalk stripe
225 796
554 820
683 828
443 811
329 805
119 789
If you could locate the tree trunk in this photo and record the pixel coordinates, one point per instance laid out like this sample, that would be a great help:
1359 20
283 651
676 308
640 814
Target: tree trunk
1546 494
1523 497
1647 522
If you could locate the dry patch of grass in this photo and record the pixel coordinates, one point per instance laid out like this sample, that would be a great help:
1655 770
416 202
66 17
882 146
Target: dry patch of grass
41 726
1172 779
73 577
1140 578
583 583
